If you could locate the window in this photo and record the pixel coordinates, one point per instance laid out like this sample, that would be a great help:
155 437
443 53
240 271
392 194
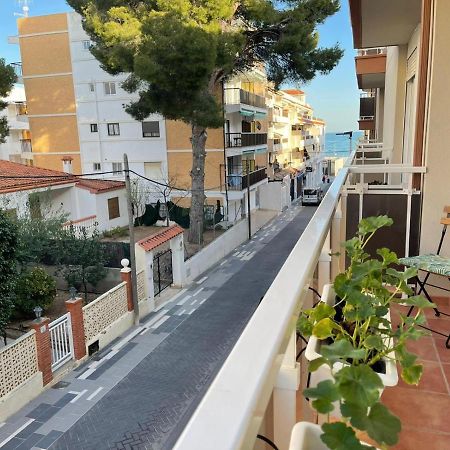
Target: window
117 167
150 129
113 208
110 88
153 170
97 167
92 87
113 129
94 128
86 45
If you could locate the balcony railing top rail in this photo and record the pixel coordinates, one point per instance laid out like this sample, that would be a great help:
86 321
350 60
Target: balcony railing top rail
372 51
241 390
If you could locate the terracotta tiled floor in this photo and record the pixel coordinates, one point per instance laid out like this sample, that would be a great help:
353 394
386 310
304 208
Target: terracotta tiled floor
425 410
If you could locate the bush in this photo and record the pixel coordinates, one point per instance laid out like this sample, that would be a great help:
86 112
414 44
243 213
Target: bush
34 288
116 232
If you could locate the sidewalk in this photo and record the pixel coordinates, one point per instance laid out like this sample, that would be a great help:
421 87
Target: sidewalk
140 392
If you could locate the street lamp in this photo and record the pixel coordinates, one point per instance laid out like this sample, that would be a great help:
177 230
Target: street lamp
37 312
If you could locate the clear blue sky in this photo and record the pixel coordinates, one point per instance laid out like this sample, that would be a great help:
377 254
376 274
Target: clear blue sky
334 97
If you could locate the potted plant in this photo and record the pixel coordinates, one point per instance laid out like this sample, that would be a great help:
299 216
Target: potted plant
357 345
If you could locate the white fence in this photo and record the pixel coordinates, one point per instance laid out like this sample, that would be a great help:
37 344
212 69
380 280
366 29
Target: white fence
61 341
88 224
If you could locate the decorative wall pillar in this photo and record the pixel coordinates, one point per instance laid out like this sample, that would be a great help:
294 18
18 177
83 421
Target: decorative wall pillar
125 275
285 396
178 267
75 308
44 348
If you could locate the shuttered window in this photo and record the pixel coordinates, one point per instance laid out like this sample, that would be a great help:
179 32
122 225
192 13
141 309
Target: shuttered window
150 129
113 208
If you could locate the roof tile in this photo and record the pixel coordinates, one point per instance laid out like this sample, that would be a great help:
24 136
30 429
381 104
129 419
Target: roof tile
157 239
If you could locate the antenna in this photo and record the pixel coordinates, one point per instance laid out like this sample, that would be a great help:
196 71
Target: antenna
25 8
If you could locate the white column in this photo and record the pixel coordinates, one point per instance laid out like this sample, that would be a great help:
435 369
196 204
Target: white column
324 264
178 267
285 396
336 242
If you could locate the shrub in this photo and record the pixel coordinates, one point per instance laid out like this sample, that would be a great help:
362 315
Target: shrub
34 288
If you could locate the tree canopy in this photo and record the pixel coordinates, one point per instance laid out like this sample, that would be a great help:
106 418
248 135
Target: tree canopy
177 51
7 80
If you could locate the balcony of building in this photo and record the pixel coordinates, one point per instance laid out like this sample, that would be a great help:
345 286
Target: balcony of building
241 140
258 391
241 177
384 22
17 66
240 100
371 68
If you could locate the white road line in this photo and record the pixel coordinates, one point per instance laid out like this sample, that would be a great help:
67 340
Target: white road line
194 302
155 318
111 354
235 253
249 257
223 262
80 394
94 393
191 311
16 432
198 292
183 301
203 301
202 280
146 330
127 338
159 323
86 374
180 312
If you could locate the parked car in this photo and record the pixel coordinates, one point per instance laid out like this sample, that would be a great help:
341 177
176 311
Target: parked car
312 196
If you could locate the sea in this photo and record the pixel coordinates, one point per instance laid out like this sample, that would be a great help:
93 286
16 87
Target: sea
340 146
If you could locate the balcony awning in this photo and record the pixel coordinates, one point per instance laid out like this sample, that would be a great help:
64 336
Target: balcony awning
255 114
261 150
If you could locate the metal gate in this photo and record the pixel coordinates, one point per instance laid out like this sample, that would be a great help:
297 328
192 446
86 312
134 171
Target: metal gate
162 271
61 341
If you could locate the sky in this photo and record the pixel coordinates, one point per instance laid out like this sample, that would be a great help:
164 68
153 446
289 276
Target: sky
334 97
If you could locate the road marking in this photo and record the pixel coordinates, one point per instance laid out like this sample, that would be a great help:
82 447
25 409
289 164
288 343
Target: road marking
127 339
191 311
183 301
203 301
95 393
249 256
236 253
16 432
80 394
202 280
160 322
198 292
180 312
194 302
155 318
223 262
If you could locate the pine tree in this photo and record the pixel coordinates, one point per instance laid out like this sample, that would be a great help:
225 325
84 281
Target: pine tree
179 52
7 80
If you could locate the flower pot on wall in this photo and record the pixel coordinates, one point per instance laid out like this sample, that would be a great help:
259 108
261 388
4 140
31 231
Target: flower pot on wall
306 436
312 352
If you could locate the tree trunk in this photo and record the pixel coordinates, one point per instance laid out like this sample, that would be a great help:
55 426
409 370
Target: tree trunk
199 136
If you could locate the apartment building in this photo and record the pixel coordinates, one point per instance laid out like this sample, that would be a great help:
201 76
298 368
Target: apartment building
17 147
75 108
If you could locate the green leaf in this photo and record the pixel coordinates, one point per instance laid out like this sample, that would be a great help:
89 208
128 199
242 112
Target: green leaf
316 363
419 302
324 328
322 311
382 426
338 436
359 384
388 256
304 326
357 414
372 224
325 393
412 374
373 342
341 350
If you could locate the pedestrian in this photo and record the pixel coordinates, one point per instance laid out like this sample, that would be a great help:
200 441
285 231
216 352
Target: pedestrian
323 179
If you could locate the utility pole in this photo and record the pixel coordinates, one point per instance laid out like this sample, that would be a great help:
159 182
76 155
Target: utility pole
248 204
131 233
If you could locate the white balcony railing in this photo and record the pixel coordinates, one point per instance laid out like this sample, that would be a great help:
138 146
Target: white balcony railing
372 51
85 224
262 365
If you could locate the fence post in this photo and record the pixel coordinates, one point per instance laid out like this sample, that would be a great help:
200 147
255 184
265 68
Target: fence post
75 308
44 348
125 274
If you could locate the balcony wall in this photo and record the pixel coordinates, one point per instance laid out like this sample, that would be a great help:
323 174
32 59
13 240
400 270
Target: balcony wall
245 139
367 124
371 70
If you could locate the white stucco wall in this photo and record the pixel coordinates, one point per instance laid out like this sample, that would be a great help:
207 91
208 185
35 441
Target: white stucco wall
102 210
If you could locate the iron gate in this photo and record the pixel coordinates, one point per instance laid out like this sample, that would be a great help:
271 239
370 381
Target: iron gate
162 271
61 341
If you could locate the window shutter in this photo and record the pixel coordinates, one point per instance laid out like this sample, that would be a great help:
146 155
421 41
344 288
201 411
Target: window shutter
113 208
150 129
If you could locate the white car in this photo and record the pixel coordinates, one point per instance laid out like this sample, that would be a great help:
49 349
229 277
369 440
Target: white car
312 196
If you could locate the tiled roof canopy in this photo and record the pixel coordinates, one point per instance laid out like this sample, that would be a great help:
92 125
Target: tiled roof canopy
155 240
16 177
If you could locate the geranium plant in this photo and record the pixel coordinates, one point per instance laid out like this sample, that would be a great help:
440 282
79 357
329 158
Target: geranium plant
357 339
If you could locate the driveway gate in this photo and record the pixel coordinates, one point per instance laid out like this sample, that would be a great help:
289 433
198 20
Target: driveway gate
162 271
61 341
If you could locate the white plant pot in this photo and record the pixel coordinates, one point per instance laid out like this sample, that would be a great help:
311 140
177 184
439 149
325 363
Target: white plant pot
312 352
306 436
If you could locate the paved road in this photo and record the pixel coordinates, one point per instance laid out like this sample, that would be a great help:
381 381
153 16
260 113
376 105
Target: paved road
140 392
